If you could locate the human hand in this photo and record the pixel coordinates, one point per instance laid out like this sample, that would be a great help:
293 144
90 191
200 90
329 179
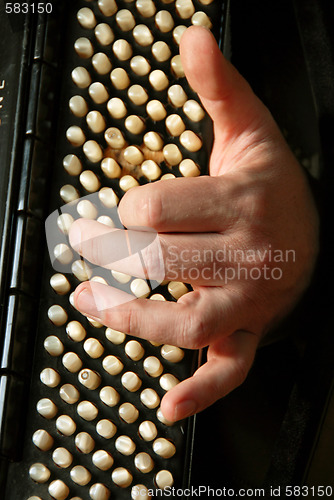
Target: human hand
254 217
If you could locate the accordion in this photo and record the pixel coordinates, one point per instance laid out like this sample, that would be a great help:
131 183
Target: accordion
81 81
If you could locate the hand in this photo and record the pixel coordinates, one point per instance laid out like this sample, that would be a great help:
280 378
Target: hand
255 209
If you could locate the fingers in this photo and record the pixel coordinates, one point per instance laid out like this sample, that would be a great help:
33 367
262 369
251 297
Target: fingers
131 252
191 322
225 94
199 259
229 361
200 204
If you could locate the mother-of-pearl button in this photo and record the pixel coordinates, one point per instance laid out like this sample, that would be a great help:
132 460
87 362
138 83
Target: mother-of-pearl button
84 442
64 222
131 381
168 381
163 419
172 154
80 475
201 19
134 350
108 8
109 396
122 49
137 94
81 77
50 377
116 108
47 408
87 209
175 125
134 124
96 122
128 412
164 21
72 164
153 141
89 181
115 336
163 479
93 152
72 362
101 63
158 79
177 95
102 460
122 477
114 138
177 289
42 440
125 445
156 110
87 410
140 491
110 168
125 20
53 345
98 92
119 78
78 106
188 168
190 141
93 348
58 490
178 32
99 492
193 110
81 270
112 365
161 52
133 155
185 8
151 169
104 34
164 448
62 457
146 8
66 425
140 66
86 18
149 398
39 473
172 353
148 430
83 47
143 35
59 282
144 462
75 331
57 315
153 366
106 428
69 394
68 193
89 379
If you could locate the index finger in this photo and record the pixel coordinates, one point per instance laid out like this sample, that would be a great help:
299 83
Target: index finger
200 204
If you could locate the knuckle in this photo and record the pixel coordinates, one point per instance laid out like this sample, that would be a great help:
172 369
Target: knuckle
153 258
149 209
197 330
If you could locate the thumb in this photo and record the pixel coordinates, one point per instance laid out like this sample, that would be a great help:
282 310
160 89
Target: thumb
225 94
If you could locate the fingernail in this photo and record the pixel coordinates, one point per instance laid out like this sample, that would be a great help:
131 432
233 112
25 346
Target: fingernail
85 302
185 409
75 237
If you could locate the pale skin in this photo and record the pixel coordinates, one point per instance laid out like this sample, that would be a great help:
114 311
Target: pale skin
256 197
